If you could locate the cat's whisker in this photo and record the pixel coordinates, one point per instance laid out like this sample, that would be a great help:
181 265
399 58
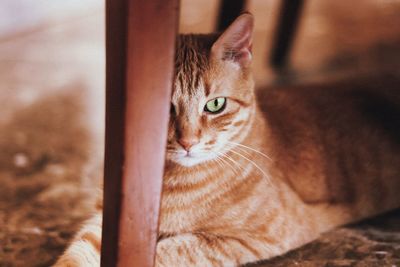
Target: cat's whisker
254 164
217 159
219 162
223 163
221 156
235 163
250 148
237 169
242 150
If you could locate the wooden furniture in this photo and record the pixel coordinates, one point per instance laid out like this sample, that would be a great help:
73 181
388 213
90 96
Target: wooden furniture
228 11
284 36
288 20
140 40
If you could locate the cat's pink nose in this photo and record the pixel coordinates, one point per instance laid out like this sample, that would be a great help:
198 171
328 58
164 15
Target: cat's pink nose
188 143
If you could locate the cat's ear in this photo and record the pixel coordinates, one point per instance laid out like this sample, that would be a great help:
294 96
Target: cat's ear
236 41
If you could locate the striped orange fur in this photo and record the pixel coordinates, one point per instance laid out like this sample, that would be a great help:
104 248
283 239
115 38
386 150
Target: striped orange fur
253 181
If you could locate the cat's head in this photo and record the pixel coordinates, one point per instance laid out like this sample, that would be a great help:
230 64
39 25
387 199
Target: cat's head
212 101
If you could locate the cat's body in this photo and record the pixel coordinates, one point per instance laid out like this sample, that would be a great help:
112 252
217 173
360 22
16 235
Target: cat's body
244 183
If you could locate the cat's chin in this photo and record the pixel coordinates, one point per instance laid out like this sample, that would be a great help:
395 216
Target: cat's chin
190 161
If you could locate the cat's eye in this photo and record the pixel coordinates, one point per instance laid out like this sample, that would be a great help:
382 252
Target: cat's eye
215 105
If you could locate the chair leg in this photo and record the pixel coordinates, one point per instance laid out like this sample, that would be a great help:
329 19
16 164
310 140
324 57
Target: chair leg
288 20
228 11
140 47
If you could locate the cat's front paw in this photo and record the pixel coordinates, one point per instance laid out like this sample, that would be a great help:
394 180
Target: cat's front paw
81 253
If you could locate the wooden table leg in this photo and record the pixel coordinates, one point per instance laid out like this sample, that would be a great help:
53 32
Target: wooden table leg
140 45
228 11
287 24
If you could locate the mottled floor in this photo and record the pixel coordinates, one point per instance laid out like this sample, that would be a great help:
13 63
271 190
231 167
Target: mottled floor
51 124
374 242
46 182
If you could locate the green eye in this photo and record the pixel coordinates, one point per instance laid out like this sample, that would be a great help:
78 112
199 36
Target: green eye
216 105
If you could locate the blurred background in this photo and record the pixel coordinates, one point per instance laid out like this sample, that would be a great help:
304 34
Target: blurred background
52 120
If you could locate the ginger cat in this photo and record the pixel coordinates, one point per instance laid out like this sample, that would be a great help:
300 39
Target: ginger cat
247 180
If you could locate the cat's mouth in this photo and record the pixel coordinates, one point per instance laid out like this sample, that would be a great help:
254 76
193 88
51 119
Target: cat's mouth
189 155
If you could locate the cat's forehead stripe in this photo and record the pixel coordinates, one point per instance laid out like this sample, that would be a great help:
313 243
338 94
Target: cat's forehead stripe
191 63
